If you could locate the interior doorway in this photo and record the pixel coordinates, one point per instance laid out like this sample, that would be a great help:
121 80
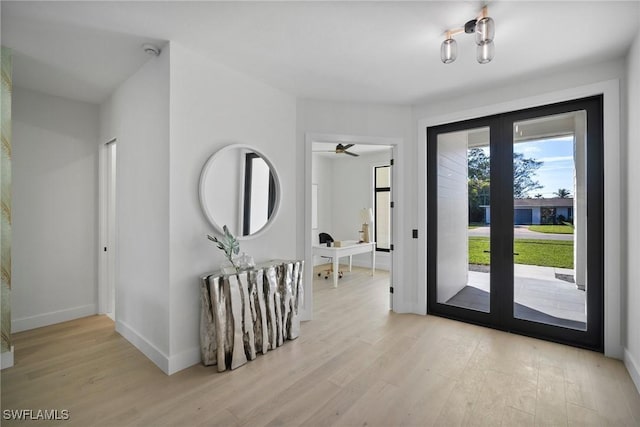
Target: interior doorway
351 182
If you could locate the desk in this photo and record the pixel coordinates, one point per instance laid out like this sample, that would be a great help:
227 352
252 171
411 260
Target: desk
349 250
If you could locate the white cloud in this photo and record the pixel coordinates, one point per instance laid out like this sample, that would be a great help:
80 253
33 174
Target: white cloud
528 149
555 159
555 168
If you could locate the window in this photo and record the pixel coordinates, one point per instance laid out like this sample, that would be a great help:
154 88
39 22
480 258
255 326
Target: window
382 212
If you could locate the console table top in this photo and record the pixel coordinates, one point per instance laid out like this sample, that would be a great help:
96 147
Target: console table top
264 264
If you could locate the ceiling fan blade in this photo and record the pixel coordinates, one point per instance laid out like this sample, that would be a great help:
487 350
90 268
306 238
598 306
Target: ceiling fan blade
346 147
352 154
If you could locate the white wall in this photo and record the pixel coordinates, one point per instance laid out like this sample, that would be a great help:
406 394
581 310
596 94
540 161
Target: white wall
555 80
353 191
555 87
375 121
322 175
55 209
632 341
453 215
137 115
212 106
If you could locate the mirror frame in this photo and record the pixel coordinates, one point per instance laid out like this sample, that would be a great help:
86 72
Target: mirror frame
206 169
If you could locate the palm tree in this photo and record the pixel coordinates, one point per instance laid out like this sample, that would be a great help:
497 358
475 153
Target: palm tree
563 193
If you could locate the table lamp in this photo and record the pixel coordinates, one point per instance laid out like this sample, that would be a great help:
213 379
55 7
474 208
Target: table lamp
366 215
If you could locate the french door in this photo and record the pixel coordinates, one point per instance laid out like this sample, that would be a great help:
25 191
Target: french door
515 222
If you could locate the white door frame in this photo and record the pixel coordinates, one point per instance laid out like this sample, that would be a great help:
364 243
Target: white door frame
396 192
103 216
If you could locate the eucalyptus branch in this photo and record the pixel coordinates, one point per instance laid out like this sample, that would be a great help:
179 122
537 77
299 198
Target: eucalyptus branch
228 244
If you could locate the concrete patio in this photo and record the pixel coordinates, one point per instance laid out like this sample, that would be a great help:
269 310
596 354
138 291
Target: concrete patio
539 296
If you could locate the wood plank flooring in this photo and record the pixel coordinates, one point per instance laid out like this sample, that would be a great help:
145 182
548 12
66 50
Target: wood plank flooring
355 364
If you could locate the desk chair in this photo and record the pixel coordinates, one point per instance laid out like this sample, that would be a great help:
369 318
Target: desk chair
323 239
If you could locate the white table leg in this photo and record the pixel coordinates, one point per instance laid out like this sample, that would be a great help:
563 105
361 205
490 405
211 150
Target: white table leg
373 260
350 258
335 271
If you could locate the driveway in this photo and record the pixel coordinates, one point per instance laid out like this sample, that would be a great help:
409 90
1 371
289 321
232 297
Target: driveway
521 232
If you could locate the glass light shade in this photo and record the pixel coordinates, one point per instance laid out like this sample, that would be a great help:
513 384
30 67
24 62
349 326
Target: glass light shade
485 30
485 52
448 51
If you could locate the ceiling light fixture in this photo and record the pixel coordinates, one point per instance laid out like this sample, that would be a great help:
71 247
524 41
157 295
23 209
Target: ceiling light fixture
484 27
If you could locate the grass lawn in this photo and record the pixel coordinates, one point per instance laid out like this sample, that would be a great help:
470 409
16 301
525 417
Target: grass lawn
546 253
554 229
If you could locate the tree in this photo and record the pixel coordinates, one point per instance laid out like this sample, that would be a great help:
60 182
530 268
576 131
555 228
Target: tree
479 180
524 169
563 193
478 183
478 164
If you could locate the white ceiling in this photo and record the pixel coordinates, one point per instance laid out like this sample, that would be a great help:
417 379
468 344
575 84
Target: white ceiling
352 51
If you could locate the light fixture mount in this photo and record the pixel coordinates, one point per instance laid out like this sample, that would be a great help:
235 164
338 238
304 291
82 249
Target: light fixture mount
484 28
470 26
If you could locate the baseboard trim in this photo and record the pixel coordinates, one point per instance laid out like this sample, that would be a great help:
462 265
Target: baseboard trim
380 265
6 359
151 351
184 360
53 317
633 368
360 260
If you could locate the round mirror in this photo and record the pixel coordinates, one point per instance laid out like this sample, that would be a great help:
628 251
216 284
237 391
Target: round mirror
239 188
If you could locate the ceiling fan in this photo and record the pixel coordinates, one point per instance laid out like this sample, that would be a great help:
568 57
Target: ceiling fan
341 149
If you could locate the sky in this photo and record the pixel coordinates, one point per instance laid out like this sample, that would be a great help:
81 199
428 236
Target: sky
557 170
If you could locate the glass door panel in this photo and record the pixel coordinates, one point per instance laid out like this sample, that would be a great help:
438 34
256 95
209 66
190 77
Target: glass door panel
464 218
549 189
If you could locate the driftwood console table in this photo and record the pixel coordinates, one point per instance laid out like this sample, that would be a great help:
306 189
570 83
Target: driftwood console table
249 313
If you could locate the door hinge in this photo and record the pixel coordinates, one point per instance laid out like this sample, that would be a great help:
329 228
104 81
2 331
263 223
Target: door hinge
391 289
105 249
415 233
393 205
391 247
391 162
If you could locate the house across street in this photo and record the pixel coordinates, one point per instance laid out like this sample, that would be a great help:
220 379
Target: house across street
538 211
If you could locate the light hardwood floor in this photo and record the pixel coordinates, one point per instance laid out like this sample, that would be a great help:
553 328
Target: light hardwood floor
355 364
